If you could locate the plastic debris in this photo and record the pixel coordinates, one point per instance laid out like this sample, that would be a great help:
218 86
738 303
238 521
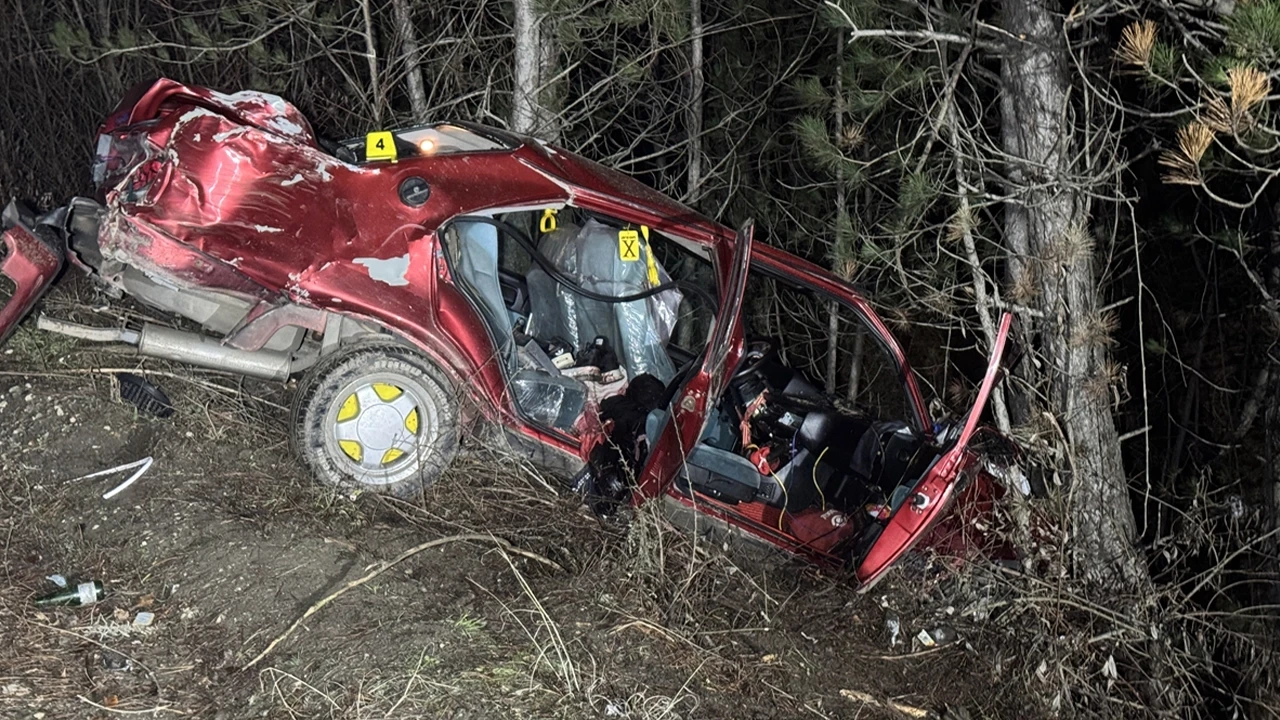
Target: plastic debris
941 635
142 466
58 580
144 395
894 627
144 619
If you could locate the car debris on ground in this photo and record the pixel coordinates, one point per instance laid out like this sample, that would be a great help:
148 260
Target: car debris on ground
82 595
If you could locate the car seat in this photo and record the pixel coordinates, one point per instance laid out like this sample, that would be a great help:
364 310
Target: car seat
721 473
478 266
589 255
550 399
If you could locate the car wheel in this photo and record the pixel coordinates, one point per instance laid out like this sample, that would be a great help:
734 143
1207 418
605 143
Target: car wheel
381 419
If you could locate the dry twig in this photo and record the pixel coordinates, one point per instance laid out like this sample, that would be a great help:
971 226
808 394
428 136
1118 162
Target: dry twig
383 567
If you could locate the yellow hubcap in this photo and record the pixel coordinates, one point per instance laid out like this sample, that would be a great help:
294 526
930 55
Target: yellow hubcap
377 425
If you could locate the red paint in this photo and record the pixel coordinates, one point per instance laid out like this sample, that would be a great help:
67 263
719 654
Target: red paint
32 265
933 495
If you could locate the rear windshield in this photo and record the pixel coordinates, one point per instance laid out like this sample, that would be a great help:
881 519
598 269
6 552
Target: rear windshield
430 140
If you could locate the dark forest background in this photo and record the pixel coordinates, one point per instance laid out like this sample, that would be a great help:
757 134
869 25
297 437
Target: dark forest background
1104 170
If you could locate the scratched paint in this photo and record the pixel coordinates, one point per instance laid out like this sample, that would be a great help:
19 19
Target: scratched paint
233 132
391 271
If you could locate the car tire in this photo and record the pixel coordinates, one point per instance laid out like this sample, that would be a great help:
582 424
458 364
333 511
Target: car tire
379 418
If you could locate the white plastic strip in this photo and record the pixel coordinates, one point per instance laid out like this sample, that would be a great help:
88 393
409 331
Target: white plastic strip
142 466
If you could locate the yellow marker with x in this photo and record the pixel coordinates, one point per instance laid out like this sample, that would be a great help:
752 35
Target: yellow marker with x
628 245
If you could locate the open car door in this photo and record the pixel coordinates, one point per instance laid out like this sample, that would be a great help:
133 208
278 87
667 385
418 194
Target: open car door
928 501
700 393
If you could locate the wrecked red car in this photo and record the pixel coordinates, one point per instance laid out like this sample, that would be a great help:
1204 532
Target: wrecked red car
603 328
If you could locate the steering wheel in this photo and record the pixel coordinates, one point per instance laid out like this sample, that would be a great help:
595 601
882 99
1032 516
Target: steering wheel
754 354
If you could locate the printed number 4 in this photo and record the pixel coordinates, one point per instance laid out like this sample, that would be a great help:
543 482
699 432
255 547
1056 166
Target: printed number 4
381 144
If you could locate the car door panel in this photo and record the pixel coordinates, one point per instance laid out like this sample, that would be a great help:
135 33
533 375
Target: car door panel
690 406
929 500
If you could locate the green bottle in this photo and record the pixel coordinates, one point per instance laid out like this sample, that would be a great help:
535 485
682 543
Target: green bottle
83 594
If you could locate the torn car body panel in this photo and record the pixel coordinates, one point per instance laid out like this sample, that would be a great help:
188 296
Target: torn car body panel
933 495
30 262
688 417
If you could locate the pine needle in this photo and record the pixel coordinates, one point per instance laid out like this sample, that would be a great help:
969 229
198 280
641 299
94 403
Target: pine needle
820 147
1218 116
1075 245
1136 44
1248 87
1025 287
1184 163
962 222
1096 330
852 137
847 269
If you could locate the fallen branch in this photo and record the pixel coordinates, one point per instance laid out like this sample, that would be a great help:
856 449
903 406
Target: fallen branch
387 565
869 699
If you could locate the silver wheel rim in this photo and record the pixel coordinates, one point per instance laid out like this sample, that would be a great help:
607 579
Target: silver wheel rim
379 427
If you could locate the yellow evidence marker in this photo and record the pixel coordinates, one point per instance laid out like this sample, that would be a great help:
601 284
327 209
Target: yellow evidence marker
628 245
379 146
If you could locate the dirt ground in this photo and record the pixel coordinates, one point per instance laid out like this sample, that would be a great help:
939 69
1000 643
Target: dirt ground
228 543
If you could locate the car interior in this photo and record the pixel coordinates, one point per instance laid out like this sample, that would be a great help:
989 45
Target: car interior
574 361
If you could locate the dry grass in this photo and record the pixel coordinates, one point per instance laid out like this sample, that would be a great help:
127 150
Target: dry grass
645 620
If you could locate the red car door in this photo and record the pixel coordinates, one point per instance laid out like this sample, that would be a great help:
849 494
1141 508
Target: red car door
700 393
929 499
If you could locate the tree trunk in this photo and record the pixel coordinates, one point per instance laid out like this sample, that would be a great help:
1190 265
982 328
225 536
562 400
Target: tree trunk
534 69
411 51
549 123
855 366
694 112
842 209
1051 260
524 100
371 54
